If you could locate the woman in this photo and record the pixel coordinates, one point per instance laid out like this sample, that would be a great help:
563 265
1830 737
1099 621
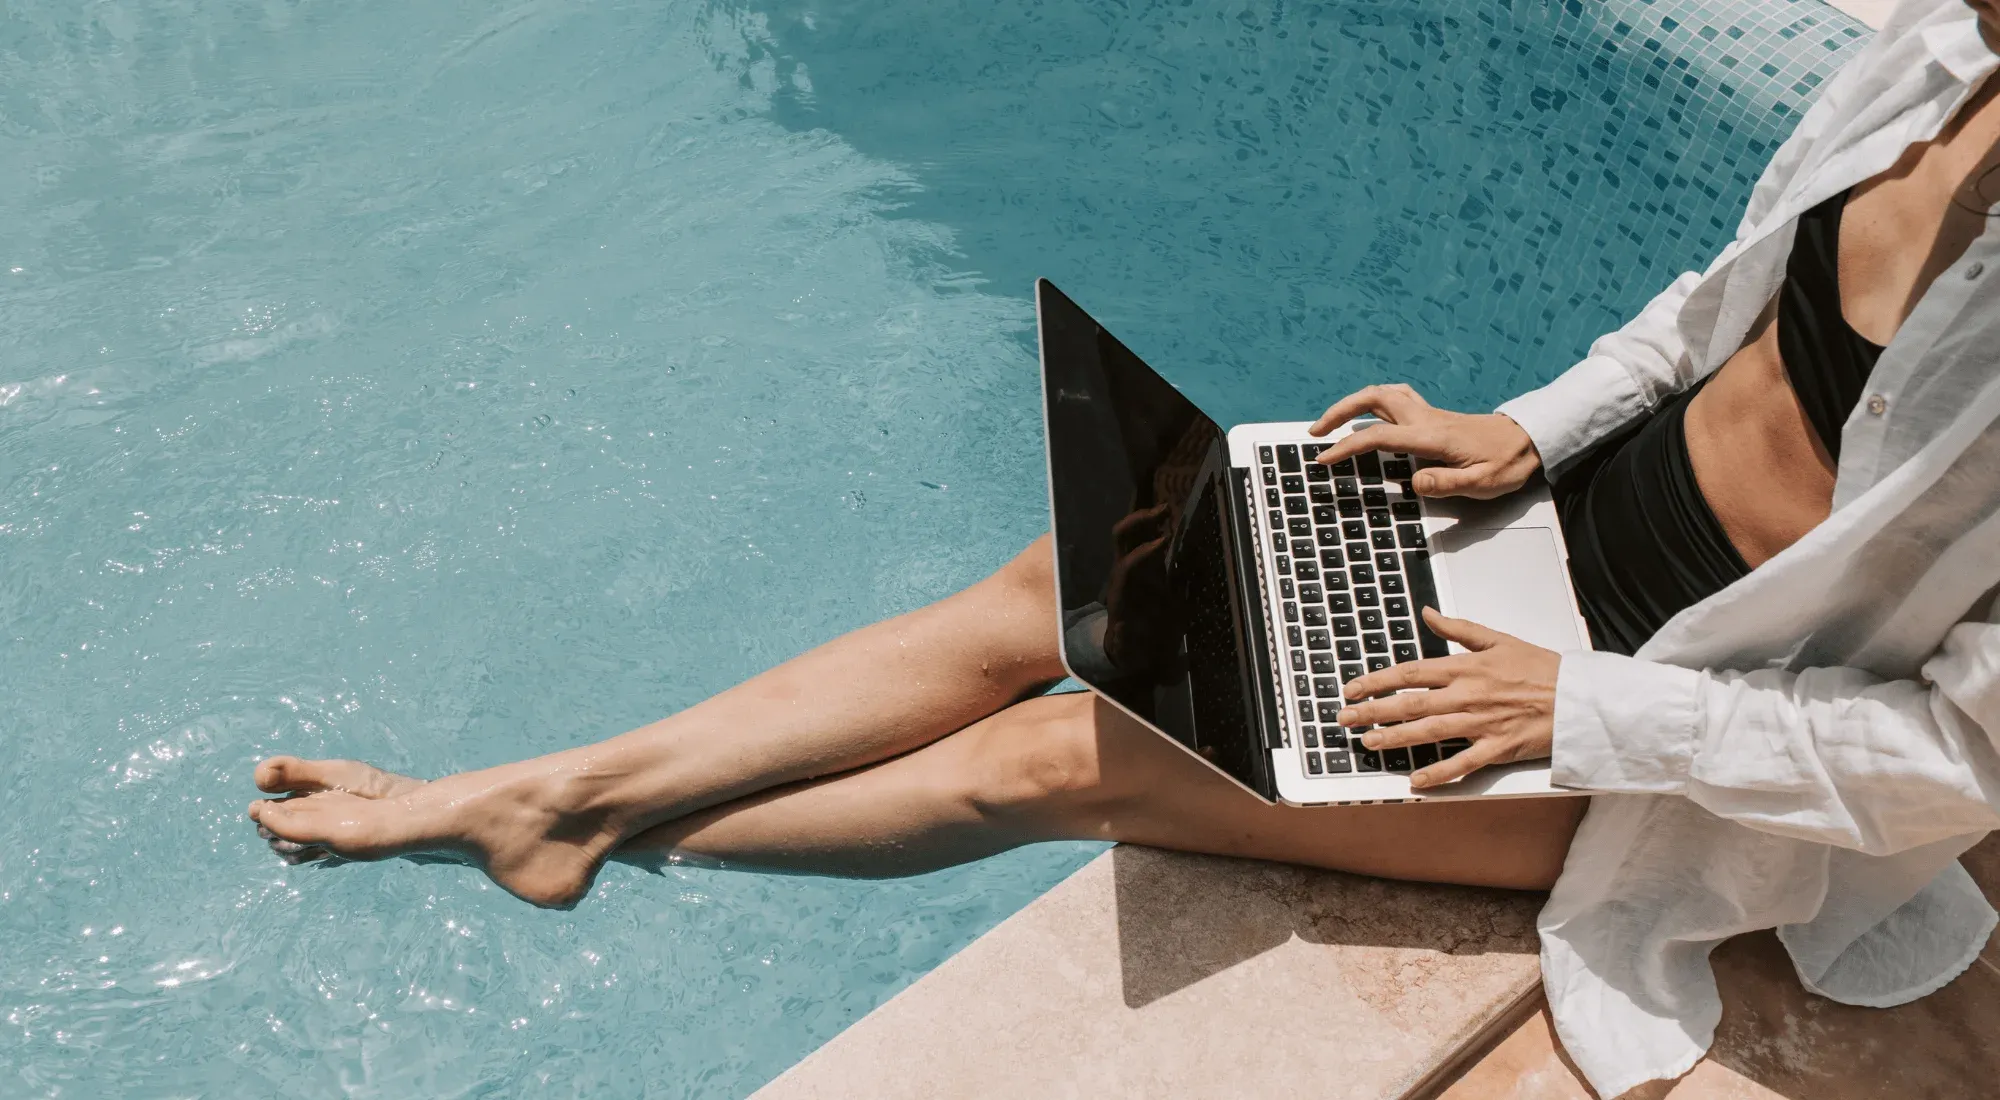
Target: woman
1788 467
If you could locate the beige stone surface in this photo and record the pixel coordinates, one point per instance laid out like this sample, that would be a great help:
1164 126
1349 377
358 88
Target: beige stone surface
1155 974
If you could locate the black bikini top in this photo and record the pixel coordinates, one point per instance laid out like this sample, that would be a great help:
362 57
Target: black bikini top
1827 361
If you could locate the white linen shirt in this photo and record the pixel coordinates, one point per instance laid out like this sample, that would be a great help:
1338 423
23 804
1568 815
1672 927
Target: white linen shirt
1813 747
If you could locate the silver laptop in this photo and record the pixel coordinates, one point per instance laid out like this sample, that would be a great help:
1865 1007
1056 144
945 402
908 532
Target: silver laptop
1220 588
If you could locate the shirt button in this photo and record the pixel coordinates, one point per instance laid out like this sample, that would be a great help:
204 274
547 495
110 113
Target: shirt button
1877 404
1975 270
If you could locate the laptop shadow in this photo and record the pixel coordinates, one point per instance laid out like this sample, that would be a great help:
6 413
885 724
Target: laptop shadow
1182 918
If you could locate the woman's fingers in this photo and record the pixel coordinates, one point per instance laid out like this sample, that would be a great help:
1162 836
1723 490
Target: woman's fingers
1452 481
1417 439
1433 672
1392 403
1423 731
1464 631
1404 707
1458 766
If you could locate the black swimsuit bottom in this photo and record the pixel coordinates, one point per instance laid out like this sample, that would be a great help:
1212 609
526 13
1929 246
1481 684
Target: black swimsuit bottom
1643 542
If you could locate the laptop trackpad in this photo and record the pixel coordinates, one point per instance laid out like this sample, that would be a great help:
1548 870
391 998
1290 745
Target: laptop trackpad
1512 579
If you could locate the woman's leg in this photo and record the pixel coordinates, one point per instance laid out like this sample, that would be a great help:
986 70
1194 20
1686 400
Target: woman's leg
541 827
1073 767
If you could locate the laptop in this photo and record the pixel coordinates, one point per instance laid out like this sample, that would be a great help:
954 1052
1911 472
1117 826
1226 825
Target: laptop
1220 587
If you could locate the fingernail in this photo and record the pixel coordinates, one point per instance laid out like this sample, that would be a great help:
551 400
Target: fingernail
1369 740
1345 718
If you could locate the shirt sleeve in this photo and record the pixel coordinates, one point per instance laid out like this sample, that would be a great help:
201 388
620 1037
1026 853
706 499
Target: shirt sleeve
1831 755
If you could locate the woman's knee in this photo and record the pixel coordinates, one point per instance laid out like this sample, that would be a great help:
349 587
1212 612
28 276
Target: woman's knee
1039 762
1031 574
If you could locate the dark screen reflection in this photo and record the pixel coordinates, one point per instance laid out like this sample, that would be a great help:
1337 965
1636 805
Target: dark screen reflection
1139 480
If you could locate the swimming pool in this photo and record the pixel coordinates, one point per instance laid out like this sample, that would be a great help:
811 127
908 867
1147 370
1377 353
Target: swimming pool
440 384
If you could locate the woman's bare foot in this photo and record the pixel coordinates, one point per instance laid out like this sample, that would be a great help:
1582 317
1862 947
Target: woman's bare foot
507 820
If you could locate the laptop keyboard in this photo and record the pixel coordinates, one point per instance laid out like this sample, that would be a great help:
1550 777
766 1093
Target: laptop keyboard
1352 571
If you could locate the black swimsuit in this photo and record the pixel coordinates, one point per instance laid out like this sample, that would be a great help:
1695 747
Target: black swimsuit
1643 542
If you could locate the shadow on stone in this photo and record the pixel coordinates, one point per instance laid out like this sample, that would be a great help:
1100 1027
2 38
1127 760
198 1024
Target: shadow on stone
1183 918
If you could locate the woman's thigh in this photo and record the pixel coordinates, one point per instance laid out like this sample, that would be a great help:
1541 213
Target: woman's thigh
1105 776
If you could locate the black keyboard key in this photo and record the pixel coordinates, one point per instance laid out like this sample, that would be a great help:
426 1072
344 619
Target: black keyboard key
1449 749
1422 756
1350 672
1302 548
1388 562
1344 468
1412 535
1377 517
1366 761
1373 498
1311 593
1318 639
1264 455
1382 539
1296 506
1270 475
1344 626
1347 486
1404 652
1329 537
1397 760
1300 526
1340 603
1356 551
1323 514
1313 766
1406 509
1351 508
1393 583
1278 541
1336 738
1312 450
1321 494
1307 569
1318 471
1399 630
1366 597
1329 712
1271 496
1369 464
1339 763
1423 590
1293 483
1354 530
1298 660
1291 612
1396 469
1293 636
1377 664
1284 566
1322 663
1302 685
1374 643
1334 579
1332 558
1349 649
1305 710
1315 615
1362 574
1398 606
1326 687
1310 736
1371 618
1288 458
1285 587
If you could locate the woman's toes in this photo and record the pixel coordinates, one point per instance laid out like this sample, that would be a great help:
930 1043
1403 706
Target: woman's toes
345 824
289 774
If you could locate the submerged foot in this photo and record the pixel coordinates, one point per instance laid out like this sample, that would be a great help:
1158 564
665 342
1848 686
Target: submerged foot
506 820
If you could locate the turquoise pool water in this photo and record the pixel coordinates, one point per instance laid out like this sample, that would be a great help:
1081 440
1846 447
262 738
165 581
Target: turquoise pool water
444 383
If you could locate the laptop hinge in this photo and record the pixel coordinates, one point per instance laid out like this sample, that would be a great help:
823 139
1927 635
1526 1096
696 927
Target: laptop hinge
1257 640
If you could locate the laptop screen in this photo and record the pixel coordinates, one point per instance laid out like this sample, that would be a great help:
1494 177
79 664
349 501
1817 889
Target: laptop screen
1152 607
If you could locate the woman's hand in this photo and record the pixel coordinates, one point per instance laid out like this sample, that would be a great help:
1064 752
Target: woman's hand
1483 455
1501 696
